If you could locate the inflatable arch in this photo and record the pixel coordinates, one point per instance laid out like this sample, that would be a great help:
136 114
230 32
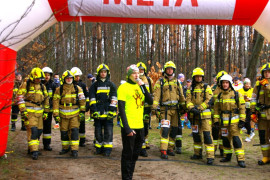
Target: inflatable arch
21 21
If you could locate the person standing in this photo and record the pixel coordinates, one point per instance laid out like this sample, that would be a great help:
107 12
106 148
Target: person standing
15 108
69 110
47 125
168 95
147 108
33 102
229 114
103 107
198 97
77 81
131 98
260 107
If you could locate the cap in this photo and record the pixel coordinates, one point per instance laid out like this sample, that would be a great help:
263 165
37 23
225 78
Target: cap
189 80
180 76
236 78
132 68
90 76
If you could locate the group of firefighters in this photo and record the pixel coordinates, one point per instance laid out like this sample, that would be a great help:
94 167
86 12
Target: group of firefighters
217 114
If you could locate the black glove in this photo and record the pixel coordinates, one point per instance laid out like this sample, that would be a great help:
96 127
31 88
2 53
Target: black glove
216 125
195 111
241 124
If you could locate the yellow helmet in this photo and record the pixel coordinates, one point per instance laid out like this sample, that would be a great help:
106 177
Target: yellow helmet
66 74
197 72
103 67
141 65
265 67
220 74
36 73
169 64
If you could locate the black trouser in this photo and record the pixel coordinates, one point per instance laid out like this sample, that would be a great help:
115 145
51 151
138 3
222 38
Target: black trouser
82 132
131 150
47 130
247 121
14 113
104 139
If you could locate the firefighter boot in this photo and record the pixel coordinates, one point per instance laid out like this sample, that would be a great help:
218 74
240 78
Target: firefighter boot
195 156
265 160
170 153
35 155
221 151
82 142
47 147
64 151
242 164
178 150
210 161
164 154
143 153
74 154
13 126
227 158
23 126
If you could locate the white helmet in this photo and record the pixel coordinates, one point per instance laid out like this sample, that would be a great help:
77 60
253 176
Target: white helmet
226 77
76 71
47 70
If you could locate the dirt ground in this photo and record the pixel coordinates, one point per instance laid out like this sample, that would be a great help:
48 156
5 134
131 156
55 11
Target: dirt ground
51 165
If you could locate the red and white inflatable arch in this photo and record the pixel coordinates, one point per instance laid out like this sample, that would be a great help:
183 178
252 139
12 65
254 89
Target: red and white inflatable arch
21 21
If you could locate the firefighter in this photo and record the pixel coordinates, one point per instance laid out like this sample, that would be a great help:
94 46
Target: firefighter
69 110
260 107
15 108
229 114
168 94
103 107
215 130
34 106
147 108
198 97
47 125
78 73
247 91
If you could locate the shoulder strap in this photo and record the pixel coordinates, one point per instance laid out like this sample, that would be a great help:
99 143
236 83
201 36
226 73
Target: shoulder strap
61 90
258 94
161 90
204 91
77 93
219 95
150 85
236 96
42 88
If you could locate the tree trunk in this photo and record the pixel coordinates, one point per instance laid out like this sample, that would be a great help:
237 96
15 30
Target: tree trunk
254 59
99 44
138 43
94 39
153 41
123 49
193 46
241 50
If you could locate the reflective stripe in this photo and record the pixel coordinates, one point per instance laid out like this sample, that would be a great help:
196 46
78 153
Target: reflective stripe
170 102
178 137
103 91
107 144
228 100
35 92
210 149
82 135
263 114
234 119
13 120
197 147
220 142
190 104
217 116
69 96
239 152
261 92
33 142
35 109
93 102
164 141
74 143
114 98
215 142
65 143
69 112
155 102
56 96
47 136
265 147
206 112
188 91
171 143
56 110
146 141
98 145
197 90
227 151
204 105
243 115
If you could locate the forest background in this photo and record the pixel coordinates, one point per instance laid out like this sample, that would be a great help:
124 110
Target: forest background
235 49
